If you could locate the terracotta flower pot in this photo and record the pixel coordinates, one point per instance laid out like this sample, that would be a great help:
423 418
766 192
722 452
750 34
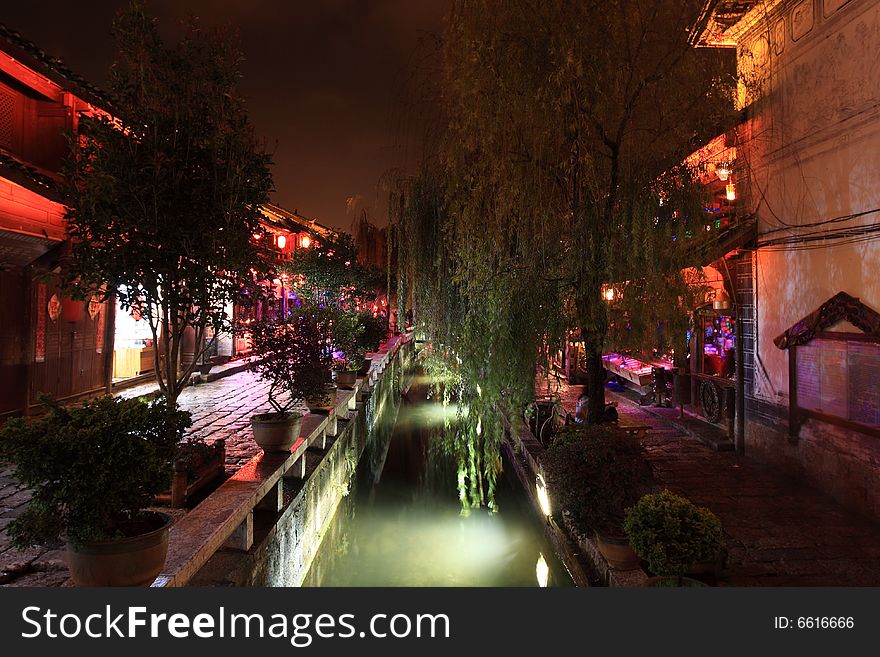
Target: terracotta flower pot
617 551
133 561
276 432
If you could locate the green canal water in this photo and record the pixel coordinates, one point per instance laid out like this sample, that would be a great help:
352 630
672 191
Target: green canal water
403 522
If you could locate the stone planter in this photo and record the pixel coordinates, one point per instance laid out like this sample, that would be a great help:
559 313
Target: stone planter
365 367
617 551
134 561
319 406
345 379
276 432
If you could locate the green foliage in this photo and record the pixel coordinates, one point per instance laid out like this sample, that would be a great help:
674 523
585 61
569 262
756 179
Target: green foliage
165 196
374 331
90 468
595 473
560 171
672 534
328 272
194 453
293 354
347 330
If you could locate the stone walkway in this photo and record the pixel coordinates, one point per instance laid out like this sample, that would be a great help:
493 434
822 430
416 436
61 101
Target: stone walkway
220 409
778 530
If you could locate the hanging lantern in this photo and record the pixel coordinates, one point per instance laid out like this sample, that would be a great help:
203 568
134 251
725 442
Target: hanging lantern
54 308
305 241
722 300
722 169
731 192
281 241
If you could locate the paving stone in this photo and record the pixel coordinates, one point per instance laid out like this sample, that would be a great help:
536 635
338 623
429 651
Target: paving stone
779 530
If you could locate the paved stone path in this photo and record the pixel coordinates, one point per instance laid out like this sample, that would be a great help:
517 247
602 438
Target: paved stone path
220 409
779 531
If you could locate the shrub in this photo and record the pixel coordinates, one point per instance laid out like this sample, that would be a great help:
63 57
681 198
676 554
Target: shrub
346 333
293 355
595 472
672 534
91 468
374 331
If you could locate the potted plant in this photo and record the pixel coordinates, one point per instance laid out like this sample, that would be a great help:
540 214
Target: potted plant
349 354
93 470
672 535
595 473
292 356
374 331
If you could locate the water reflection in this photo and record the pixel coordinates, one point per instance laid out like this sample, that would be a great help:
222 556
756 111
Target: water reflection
431 507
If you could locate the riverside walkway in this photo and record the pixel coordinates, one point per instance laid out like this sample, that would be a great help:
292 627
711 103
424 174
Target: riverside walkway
779 531
221 408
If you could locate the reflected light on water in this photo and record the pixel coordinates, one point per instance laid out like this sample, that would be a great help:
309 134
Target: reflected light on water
428 414
542 571
432 549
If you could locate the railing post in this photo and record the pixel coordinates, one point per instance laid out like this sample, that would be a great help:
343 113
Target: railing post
243 536
273 500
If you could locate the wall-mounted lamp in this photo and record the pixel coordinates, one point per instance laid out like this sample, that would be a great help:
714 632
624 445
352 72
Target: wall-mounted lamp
543 497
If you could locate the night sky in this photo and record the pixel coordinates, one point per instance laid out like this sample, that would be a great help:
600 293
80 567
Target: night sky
331 84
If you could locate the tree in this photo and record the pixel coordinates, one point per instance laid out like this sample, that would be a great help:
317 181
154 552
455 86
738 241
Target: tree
293 354
568 126
329 272
165 195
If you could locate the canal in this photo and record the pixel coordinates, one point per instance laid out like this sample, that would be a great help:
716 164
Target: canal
403 522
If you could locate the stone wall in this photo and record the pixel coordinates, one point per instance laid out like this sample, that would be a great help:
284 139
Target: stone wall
842 463
283 553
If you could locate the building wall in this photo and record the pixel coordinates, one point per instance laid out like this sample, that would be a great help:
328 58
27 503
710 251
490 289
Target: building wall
811 153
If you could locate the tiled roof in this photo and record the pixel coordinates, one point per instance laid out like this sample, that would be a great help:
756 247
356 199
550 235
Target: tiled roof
30 177
729 12
53 68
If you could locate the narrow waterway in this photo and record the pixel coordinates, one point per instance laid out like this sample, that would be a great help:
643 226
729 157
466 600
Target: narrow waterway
403 524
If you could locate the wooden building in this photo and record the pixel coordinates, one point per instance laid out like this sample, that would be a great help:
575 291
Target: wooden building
48 344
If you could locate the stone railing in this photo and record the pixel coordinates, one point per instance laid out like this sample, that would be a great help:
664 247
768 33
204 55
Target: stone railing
225 519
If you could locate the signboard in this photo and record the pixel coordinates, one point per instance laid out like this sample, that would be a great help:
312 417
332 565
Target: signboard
840 378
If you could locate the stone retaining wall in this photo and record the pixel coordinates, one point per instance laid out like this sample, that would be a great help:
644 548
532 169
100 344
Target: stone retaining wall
285 543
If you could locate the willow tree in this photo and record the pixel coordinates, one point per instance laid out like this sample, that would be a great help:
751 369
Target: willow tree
165 195
568 126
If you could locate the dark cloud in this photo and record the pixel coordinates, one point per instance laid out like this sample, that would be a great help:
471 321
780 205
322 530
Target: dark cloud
327 81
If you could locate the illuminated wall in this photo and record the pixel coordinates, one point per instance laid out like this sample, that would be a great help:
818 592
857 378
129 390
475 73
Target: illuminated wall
811 154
